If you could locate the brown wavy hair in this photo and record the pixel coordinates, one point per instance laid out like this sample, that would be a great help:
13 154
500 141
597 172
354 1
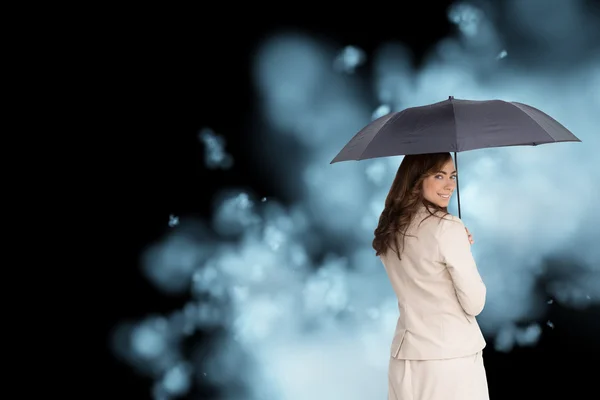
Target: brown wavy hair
405 197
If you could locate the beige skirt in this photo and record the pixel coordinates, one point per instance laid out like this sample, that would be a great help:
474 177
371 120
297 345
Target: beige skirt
452 379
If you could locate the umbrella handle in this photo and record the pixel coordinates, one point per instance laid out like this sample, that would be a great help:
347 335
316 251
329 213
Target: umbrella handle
457 187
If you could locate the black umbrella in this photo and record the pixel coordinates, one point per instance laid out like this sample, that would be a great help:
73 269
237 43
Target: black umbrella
454 125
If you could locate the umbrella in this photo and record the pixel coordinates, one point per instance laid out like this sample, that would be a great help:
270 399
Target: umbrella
454 125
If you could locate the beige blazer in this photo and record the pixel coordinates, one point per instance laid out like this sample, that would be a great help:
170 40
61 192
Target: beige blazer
439 291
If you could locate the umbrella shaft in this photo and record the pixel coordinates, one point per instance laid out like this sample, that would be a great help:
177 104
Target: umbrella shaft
457 186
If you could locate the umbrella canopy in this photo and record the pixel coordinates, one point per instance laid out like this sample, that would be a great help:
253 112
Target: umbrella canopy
454 125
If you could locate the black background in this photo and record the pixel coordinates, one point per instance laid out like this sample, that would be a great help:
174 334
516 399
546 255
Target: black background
175 74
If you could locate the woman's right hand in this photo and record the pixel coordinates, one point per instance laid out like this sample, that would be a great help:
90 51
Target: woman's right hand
470 236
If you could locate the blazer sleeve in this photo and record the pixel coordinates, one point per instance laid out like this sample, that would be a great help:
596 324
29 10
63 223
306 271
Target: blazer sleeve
455 253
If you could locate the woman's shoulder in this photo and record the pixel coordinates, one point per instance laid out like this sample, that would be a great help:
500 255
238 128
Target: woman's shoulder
451 224
450 218
441 220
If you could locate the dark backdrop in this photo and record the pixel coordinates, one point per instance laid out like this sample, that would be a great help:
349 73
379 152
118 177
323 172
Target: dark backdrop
174 75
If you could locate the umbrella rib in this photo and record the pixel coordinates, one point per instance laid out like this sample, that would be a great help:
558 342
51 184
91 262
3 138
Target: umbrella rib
455 128
534 121
379 132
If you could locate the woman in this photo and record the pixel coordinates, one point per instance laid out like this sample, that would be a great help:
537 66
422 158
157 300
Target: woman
436 351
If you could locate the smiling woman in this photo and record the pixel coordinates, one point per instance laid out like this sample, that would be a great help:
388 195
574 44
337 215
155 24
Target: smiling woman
438 188
436 350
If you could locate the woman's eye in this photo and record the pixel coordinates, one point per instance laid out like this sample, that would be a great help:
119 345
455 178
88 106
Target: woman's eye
453 176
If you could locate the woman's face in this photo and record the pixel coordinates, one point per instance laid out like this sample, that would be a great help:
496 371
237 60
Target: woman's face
439 187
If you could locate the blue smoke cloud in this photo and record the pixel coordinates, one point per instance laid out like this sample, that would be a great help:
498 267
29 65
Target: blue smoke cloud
304 306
